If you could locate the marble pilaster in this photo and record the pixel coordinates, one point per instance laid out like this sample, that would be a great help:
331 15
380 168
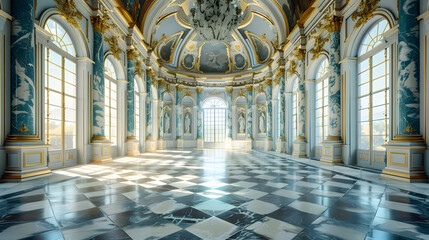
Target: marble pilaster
405 152
300 143
281 142
200 139
26 153
229 91
179 116
332 145
269 90
131 143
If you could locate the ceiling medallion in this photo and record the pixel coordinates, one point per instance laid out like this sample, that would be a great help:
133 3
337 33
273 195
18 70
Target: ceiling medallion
214 20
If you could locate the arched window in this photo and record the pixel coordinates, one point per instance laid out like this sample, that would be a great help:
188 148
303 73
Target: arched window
214 120
322 94
60 90
111 95
137 108
294 109
373 94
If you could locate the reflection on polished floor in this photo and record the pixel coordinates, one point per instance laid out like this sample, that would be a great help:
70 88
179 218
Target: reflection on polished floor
208 194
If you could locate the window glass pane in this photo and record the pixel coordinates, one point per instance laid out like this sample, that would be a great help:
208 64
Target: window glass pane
60 36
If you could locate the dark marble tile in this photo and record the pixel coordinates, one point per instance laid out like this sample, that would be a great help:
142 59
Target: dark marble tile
375 234
73 218
119 207
401 216
246 235
117 234
230 188
27 199
264 188
192 199
240 217
48 235
293 216
309 234
197 188
132 217
109 199
325 201
333 188
186 217
348 216
276 200
181 235
28 216
234 199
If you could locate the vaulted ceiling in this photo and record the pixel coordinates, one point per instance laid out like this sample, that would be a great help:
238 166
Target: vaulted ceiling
166 28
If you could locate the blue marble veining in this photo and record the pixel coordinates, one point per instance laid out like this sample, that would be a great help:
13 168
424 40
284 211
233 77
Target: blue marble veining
301 112
130 100
408 97
249 114
161 91
199 115
23 105
334 106
270 111
229 115
282 108
179 128
149 108
98 86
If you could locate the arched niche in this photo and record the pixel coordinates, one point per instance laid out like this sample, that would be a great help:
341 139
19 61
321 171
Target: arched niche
188 116
261 116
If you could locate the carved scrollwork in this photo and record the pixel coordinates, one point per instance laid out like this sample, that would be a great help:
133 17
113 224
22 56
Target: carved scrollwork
364 12
68 10
114 47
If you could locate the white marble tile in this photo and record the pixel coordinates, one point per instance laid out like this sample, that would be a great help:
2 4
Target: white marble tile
260 207
308 207
275 229
250 193
213 228
288 193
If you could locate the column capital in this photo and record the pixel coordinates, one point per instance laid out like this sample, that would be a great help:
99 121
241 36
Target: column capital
99 23
179 88
132 54
200 90
229 89
249 88
333 23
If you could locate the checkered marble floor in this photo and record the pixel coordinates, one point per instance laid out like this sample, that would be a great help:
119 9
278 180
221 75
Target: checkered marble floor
208 194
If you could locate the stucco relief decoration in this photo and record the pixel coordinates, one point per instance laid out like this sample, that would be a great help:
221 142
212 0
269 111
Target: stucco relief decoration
68 10
364 12
319 43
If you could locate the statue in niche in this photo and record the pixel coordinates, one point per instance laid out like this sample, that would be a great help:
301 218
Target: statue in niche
167 122
241 123
262 122
187 123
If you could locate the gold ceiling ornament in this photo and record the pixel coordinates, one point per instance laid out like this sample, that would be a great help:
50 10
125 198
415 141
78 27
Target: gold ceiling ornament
132 54
114 47
229 89
241 93
139 68
364 12
187 93
237 47
300 54
268 82
319 43
249 88
68 10
191 47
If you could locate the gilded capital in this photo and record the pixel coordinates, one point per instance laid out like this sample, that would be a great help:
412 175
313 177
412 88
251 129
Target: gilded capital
132 54
229 89
114 47
300 54
249 88
268 82
333 23
68 10
150 73
99 24
200 90
179 88
277 80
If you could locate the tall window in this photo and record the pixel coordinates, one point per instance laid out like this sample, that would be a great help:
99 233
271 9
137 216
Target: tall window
322 94
214 120
110 102
294 109
60 90
373 90
137 108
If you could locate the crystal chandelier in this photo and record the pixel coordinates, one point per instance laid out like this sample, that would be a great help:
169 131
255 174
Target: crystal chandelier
214 20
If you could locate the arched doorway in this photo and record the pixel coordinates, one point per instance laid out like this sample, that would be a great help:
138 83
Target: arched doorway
214 122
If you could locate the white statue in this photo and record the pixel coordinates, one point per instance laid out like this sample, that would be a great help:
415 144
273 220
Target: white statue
167 122
262 122
187 123
241 124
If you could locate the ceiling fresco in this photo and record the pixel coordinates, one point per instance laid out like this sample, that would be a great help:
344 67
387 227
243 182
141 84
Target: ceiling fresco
294 9
255 40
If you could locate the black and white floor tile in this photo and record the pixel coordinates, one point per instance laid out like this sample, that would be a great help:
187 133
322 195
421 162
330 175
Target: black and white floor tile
209 194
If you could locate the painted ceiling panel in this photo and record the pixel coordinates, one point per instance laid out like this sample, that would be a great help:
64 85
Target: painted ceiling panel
294 9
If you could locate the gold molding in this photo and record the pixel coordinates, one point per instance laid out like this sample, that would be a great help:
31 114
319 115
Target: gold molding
398 164
42 160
